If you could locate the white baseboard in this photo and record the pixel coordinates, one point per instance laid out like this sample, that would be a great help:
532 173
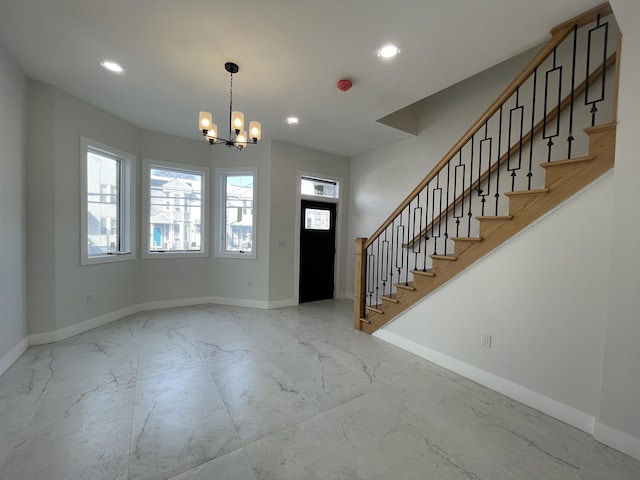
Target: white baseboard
547 405
240 302
12 355
290 302
619 440
85 326
78 328
179 302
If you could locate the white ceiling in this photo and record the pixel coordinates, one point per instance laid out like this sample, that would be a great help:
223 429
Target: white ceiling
291 53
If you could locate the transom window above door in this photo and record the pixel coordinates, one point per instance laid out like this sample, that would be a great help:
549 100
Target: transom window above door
319 187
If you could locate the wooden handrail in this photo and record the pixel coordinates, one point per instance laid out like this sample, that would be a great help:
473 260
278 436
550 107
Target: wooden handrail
585 18
559 34
579 90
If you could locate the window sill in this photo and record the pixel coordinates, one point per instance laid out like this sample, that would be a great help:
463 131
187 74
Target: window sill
108 258
174 254
237 255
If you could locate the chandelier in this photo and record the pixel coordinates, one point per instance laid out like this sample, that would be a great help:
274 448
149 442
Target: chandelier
237 134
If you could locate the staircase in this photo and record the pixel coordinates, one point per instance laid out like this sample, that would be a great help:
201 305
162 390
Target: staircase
486 189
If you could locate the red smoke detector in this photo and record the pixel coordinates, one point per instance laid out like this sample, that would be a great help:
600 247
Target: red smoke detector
344 84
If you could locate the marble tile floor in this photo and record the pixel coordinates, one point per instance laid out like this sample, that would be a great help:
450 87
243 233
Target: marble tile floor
217 392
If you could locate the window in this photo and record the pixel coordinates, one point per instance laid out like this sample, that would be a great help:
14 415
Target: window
316 219
319 187
107 222
237 226
175 209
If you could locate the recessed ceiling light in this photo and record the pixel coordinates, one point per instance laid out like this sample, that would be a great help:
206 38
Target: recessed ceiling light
293 120
389 51
112 66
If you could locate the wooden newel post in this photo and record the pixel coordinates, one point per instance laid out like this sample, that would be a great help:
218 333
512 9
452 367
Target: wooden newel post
359 293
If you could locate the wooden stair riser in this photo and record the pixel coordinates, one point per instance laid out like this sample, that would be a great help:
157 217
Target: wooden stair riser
463 244
489 225
519 202
559 172
602 141
570 181
437 264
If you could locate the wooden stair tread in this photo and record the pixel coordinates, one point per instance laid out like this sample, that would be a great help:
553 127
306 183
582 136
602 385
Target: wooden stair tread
409 287
466 239
540 191
389 298
569 161
444 257
377 309
428 273
494 218
605 127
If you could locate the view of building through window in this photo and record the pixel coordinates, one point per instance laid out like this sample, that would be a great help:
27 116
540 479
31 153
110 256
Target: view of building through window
175 210
317 219
103 204
319 187
238 213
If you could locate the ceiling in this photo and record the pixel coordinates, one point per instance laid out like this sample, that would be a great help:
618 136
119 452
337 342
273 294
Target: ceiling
291 53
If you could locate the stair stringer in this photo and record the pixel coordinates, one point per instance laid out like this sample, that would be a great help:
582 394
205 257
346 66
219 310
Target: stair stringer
563 179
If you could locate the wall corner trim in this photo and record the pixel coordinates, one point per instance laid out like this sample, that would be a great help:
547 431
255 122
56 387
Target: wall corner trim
619 440
14 354
549 406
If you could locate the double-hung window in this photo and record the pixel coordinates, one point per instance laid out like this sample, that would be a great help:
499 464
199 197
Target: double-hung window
107 222
176 214
236 228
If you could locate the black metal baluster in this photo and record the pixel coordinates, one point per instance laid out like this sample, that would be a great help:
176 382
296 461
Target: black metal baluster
545 135
587 99
470 184
570 137
385 263
399 241
486 142
497 194
392 254
406 245
446 216
370 274
437 195
458 210
520 109
426 228
533 122
378 276
416 238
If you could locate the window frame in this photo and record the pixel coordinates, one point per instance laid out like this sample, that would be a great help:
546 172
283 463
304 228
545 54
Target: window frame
205 172
221 210
126 196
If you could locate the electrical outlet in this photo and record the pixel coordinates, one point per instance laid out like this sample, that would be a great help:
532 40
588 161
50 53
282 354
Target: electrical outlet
485 340
89 297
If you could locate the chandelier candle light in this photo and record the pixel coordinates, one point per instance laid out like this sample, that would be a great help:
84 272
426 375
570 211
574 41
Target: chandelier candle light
237 134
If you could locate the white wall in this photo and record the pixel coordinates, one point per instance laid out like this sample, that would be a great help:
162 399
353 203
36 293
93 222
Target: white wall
286 161
12 211
165 279
246 280
542 297
619 422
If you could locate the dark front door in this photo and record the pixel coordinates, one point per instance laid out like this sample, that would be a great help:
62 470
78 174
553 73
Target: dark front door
317 250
